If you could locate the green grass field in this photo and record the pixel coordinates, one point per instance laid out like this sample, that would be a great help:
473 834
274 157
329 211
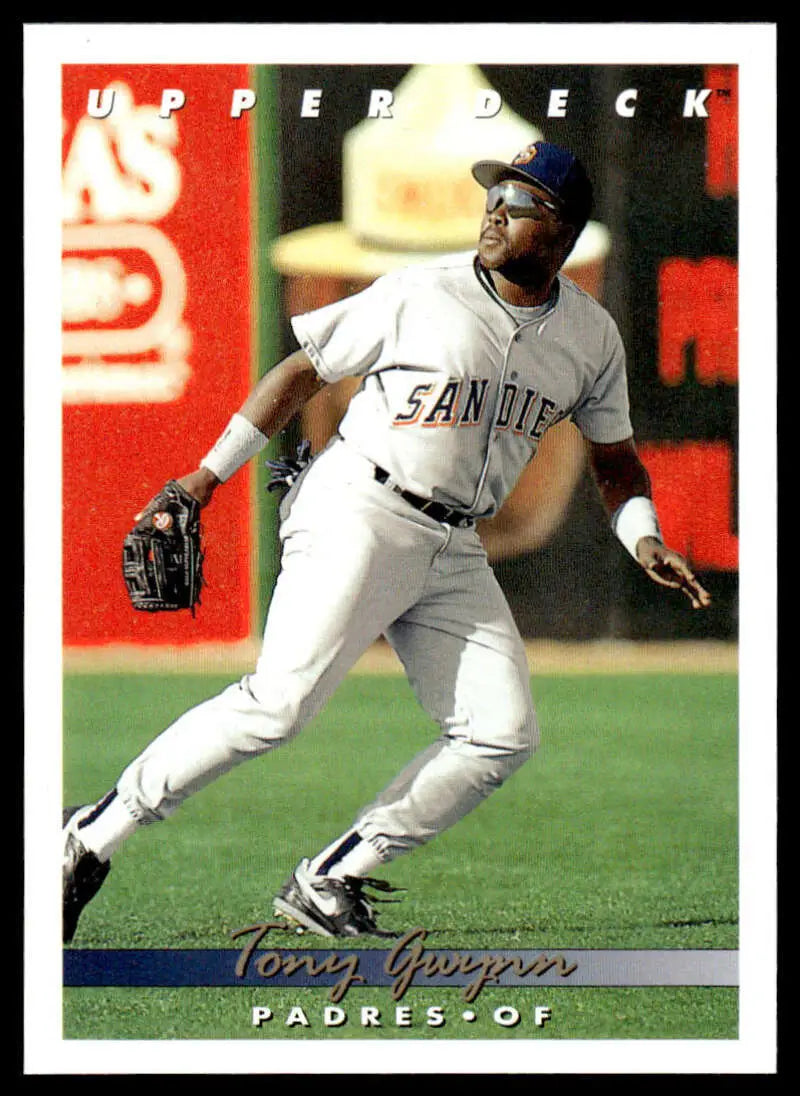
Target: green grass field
620 833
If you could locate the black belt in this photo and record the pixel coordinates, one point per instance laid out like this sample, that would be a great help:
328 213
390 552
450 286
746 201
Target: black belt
436 510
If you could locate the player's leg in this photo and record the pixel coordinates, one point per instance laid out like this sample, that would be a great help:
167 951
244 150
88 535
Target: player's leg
467 664
488 727
477 688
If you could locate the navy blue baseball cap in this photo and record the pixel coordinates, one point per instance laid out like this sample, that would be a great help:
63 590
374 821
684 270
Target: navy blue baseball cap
554 169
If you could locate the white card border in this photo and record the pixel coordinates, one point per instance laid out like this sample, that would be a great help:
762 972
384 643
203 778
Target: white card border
750 45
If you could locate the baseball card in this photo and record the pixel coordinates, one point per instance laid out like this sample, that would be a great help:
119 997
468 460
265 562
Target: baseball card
400 683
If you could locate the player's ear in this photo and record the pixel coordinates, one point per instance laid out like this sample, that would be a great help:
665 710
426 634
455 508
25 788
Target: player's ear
568 235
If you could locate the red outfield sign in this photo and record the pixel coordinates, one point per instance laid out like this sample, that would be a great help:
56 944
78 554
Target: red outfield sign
156 331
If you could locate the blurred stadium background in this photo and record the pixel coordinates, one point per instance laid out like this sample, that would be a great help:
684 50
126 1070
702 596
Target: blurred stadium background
188 241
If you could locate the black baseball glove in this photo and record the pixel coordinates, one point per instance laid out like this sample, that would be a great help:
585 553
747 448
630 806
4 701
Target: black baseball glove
285 471
162 558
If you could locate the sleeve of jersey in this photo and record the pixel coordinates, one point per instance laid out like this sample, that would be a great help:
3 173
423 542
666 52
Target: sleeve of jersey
349 337
604 416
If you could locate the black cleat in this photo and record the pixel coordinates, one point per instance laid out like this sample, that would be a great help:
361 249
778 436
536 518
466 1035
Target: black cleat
331 907
83 876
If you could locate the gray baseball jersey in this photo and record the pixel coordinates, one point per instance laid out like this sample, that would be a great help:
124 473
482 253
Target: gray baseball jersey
459 387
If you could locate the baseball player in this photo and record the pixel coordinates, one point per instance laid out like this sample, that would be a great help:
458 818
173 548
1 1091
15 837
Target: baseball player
465 363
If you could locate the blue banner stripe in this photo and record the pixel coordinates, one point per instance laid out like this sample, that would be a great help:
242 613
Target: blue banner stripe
307 967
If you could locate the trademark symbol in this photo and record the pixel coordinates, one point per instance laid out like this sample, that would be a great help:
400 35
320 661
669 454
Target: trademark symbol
724 93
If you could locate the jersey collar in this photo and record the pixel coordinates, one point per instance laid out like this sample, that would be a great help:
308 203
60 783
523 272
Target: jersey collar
516 312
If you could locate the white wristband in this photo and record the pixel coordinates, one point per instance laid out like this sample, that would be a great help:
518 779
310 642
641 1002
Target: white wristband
635 519
239 441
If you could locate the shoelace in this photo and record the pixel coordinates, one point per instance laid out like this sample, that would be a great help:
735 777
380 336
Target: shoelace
356 884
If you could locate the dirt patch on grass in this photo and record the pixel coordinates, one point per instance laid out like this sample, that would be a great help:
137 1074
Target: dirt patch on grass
544 657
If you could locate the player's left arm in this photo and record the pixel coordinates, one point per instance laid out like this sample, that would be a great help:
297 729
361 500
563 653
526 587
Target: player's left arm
624 487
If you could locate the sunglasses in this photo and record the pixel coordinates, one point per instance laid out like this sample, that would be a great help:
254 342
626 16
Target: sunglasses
518 202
